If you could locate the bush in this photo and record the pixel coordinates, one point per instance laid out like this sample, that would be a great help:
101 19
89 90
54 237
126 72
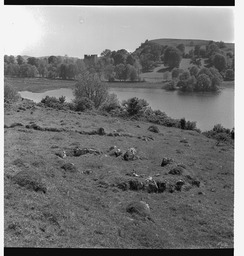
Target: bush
190 125
135 106
182 123
229 75
83 104
111 103
10 94
170 86
62 99
89 86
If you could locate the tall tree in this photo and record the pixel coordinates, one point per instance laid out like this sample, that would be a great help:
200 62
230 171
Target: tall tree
172 57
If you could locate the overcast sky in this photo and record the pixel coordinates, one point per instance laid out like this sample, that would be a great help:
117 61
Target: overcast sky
75 31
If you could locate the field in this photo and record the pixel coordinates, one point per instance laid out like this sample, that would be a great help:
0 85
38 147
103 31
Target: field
84 201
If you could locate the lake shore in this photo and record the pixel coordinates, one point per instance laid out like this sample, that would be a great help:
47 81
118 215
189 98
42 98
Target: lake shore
42 84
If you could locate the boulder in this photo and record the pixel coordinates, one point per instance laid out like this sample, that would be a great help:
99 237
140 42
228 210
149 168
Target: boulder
136 185
153 128
176 171
161 186
166 161
70 167
179 184
130 154
101 131
140 208
30 180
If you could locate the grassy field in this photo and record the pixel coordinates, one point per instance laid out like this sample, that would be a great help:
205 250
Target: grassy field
86 206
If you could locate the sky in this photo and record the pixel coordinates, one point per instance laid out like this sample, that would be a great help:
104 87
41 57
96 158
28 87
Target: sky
59 30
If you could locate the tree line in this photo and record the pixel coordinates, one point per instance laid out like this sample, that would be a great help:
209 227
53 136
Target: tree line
122 65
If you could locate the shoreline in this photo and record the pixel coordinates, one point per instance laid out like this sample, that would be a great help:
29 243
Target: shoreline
40 85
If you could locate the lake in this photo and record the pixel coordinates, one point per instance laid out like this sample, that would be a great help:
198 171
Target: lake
207 109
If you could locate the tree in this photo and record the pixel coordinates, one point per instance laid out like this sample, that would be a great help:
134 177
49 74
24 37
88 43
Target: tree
130 60
120 71
52 60
72 71
33 61
194 70
133 74
211 49
203 83
184 76
229 75
119 58
89 86
109 73
20 60
135 106
42 68
219 62
197 50
12 59
181 47
172 57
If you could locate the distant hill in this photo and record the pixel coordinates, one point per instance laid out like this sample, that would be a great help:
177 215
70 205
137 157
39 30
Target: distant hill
189 43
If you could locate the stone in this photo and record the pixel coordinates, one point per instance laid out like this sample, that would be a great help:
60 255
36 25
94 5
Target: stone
176 171
161 186
166 161
179 184
70 167
136 185
101 131
130 154
153 128
30 180
140 208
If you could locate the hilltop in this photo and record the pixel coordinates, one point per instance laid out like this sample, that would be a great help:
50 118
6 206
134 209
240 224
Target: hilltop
189 43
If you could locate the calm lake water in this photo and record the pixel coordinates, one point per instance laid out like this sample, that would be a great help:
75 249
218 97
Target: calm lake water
207 109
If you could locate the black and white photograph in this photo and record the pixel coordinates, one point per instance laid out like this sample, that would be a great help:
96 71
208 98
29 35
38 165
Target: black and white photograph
119 128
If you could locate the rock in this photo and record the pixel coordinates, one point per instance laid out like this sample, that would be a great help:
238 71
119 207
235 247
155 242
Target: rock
153 128
193 181
136 185
61 154
140 208
101 131
161 186
15 124
170 187
123 185
79 152
166 161
151 187
30 180
34 126
179 185
70 167
130 154
176 171
184 140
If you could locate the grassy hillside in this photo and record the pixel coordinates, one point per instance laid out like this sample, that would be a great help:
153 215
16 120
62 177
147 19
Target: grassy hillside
189 43
94 199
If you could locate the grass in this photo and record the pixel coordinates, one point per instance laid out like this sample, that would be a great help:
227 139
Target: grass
85 209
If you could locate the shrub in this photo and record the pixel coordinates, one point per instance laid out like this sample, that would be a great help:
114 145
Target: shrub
229 75
111 103
190 125
170 86
218 128
184 76
10 94
89 86
83 104
194 70
182 123
135 106
62 99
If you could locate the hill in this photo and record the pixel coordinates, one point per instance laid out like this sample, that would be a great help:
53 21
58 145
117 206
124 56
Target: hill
88 197
189 43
